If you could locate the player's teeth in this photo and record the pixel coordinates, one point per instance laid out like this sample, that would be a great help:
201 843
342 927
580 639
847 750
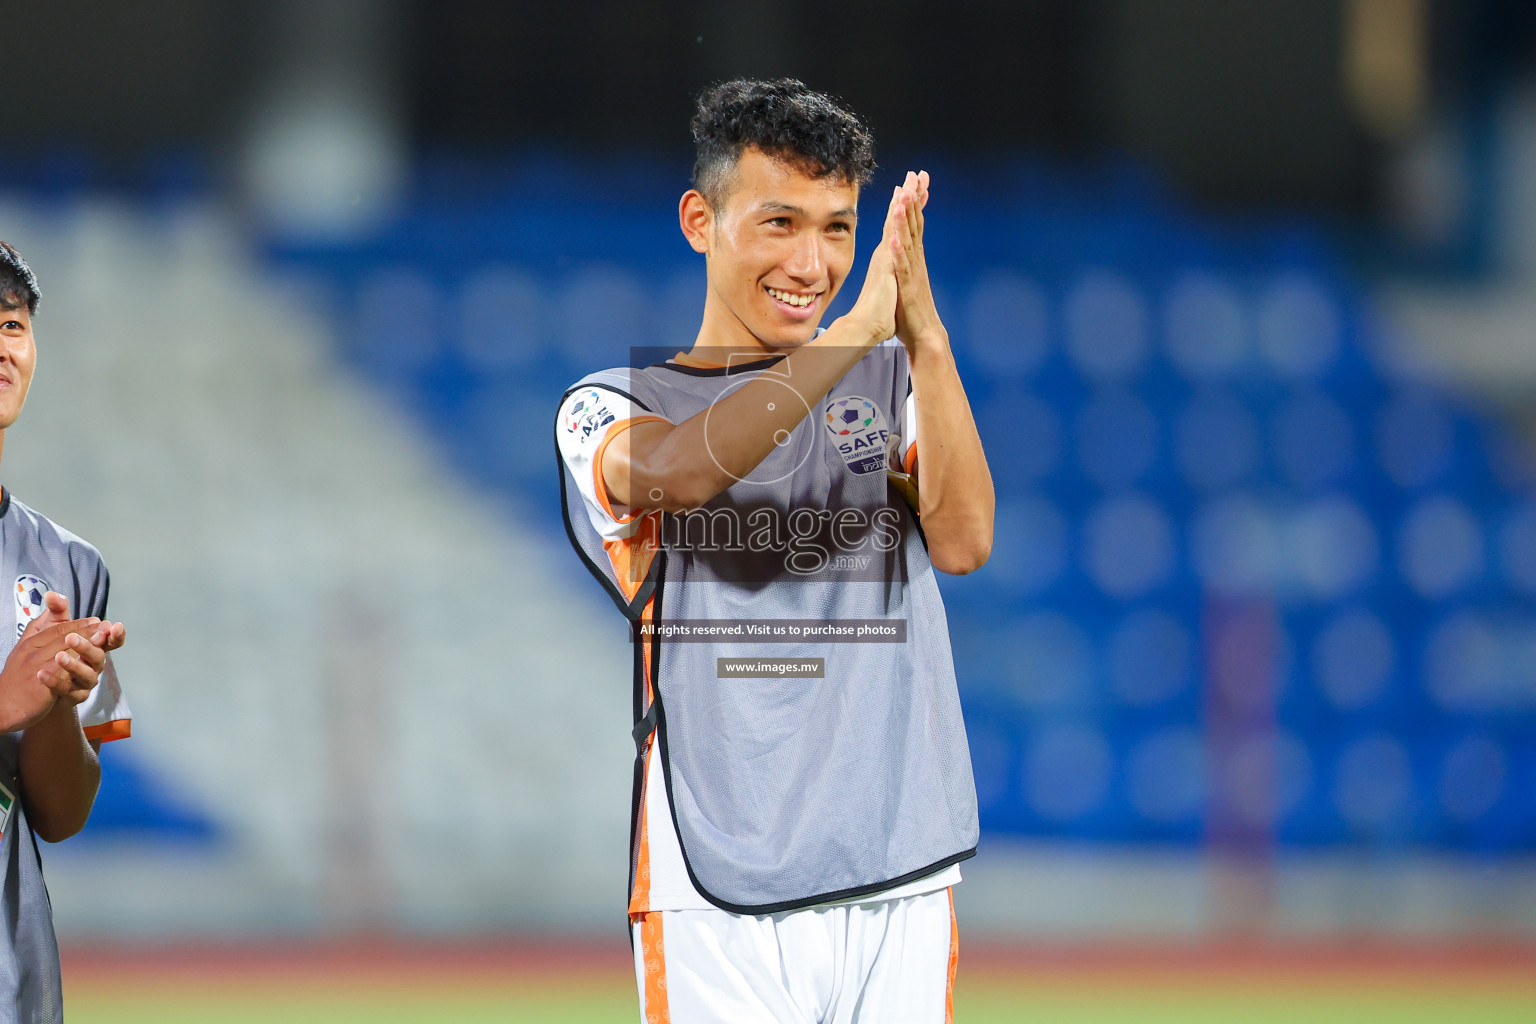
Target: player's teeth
793 300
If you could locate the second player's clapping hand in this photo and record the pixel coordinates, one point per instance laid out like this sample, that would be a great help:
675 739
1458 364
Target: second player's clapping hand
57 658
78 667
917 317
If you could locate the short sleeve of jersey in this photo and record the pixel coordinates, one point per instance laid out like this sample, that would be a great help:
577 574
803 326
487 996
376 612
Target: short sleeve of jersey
104 715
590 418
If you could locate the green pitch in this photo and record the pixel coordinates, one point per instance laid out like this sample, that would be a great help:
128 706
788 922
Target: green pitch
993 999
613 1004
1336 1003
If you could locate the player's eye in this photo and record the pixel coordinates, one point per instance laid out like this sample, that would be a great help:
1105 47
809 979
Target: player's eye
839 227
11 325
779 222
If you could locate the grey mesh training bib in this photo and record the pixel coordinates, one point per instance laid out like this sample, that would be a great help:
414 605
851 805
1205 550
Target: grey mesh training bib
788 791
35 556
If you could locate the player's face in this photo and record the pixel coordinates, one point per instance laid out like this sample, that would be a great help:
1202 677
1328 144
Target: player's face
18 358
780 249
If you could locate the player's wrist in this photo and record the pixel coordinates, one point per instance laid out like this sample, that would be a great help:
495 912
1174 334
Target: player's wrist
61 715
861 328
931 340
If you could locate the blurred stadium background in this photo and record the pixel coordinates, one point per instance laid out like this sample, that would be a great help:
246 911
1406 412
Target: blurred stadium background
1243 295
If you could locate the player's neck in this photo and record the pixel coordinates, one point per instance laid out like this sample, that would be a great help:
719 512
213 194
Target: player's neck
723 333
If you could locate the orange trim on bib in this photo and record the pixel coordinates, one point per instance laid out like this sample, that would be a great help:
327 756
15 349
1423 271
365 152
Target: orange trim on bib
648 615
631 556
654 957
640 897
106 732
909 460
954 960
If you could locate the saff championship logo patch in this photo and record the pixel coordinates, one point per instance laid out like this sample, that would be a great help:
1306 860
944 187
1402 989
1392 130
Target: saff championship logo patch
587 414
29 600
858 430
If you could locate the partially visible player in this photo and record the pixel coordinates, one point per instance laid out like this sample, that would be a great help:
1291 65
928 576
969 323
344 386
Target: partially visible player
59 697
802 805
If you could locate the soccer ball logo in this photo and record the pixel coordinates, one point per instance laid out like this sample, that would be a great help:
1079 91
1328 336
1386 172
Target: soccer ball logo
847 415
586 413
577 409
29 600
858 432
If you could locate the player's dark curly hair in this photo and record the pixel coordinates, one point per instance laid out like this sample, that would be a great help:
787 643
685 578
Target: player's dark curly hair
18 285
810 131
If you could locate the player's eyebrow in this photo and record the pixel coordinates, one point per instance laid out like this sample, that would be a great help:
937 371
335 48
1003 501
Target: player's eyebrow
774 206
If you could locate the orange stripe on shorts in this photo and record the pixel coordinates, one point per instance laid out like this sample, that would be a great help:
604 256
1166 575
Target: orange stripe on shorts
653 956
954 961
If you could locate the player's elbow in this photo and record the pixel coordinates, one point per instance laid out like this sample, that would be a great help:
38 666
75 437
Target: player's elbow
50 832
60 824
59 808
957 565
960 557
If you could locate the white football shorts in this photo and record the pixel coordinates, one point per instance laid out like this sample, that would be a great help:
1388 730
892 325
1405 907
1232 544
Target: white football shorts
888 962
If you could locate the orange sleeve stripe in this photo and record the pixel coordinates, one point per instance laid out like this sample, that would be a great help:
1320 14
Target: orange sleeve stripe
910 459
117 729
599 485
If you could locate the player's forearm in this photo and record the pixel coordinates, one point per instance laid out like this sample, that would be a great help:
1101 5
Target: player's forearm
707 453
955 491
59 774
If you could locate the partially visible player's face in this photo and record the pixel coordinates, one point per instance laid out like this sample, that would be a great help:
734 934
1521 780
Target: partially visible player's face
780 247
18 358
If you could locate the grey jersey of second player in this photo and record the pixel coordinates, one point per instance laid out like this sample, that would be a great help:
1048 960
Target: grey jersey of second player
789 792
34 553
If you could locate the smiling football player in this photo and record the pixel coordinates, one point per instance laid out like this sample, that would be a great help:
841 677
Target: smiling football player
768 508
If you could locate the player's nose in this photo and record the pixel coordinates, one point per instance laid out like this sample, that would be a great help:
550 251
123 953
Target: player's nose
806 263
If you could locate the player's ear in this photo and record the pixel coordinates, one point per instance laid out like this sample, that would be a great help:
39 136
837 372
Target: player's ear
696 218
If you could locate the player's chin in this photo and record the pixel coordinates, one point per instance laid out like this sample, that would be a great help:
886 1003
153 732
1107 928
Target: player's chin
785 338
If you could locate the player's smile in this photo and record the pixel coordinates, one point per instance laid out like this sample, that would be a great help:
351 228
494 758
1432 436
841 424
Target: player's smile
796 305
